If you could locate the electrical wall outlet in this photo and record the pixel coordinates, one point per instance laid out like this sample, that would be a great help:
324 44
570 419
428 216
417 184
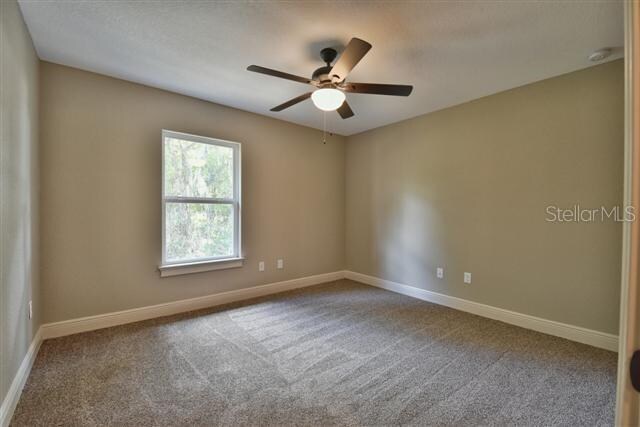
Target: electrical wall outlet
440 272
30 309
467 277
280 264
261 266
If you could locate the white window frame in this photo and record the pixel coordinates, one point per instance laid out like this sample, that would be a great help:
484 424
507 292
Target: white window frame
185 266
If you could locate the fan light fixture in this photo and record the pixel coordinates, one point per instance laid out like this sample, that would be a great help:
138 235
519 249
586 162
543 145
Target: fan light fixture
328 99
329 82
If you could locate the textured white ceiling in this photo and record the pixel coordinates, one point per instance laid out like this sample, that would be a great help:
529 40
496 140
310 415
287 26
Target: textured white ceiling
451 52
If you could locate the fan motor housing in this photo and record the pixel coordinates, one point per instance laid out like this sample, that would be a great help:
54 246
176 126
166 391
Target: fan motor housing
322 74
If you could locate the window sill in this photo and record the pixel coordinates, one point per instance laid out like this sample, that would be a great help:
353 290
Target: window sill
199 267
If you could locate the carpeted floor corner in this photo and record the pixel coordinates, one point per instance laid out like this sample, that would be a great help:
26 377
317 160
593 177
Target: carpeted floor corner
334 354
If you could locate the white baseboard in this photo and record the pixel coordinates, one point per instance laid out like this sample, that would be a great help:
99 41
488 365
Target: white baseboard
13 394
563 330
85 324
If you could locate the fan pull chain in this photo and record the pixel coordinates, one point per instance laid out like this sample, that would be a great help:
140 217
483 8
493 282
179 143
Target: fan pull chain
324 127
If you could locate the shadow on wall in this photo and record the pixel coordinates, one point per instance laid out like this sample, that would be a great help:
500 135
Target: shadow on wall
407 228
410 240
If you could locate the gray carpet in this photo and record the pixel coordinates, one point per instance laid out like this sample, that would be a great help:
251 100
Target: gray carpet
335 354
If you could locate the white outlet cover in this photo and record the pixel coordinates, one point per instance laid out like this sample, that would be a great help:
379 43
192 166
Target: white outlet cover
467 277
30 309
261 266
280 264
439 273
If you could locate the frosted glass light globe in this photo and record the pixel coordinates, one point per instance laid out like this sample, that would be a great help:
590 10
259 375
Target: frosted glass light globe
328 99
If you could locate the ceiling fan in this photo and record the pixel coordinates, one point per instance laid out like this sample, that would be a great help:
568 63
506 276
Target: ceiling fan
330 83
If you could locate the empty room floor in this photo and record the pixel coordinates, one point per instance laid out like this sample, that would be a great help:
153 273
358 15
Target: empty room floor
341 353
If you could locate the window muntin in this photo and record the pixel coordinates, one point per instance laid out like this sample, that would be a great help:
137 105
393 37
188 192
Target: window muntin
200 199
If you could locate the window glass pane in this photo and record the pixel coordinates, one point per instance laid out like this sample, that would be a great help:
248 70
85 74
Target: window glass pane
198 230
195 169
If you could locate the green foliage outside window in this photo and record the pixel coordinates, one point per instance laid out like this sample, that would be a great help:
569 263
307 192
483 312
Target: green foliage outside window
198 170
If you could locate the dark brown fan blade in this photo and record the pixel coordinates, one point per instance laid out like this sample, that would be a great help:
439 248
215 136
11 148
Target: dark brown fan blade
378 89
291 102
276 73
353 53
345 111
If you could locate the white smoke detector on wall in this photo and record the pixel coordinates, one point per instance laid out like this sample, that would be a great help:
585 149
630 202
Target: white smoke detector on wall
600 54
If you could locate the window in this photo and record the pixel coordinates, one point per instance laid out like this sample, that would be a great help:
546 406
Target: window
200 203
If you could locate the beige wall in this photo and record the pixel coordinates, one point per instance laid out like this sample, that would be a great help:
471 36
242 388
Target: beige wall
18 192
466 188
100 200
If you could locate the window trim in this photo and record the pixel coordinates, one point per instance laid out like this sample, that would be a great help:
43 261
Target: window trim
185 266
